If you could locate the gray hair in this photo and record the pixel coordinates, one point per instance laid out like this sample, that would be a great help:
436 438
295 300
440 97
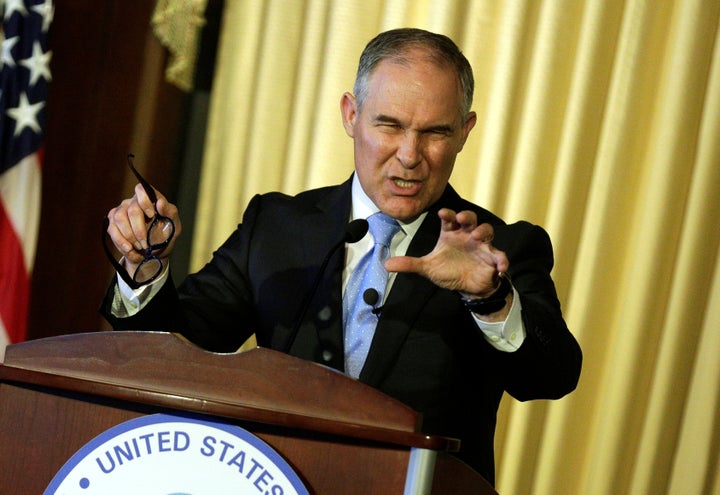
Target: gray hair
394 45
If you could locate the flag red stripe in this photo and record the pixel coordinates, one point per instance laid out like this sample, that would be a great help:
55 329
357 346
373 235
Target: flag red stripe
14 281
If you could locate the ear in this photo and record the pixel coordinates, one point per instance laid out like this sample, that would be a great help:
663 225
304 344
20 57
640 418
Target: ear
469 123
348 109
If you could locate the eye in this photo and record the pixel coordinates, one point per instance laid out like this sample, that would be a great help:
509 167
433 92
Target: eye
390 126
439 133
386 122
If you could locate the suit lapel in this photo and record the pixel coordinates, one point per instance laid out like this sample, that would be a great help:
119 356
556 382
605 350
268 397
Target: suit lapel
325 226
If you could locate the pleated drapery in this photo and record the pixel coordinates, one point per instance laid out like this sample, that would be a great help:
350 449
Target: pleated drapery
597 119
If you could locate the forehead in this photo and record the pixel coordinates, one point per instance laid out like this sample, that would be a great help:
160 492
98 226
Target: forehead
415 82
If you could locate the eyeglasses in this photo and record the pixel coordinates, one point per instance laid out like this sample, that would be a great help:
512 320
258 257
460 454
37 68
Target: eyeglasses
159 234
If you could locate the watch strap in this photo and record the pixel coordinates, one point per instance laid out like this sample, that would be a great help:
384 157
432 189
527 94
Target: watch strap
494 302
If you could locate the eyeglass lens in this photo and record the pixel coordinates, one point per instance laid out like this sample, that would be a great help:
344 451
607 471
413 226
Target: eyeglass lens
148 270
160 232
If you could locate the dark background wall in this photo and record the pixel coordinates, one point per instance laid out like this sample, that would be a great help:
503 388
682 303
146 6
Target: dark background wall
107 98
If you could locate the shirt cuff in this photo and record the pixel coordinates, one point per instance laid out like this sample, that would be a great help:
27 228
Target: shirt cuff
128 301
508 335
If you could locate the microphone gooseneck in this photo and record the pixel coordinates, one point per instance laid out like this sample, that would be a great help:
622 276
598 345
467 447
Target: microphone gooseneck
354 231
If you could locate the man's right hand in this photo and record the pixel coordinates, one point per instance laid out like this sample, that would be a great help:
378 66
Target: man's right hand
129 221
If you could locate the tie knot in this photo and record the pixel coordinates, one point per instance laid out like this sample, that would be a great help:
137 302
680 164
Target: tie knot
382 228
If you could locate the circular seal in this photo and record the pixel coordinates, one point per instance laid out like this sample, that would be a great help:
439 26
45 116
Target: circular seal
165 454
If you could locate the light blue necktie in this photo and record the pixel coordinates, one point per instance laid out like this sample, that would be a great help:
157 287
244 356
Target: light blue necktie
358 319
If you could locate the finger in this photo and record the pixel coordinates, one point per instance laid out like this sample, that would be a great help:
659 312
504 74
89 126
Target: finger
448 219
447 214
138 224
502 264
404 264
122 243
484 233
125 239
467 218
143 200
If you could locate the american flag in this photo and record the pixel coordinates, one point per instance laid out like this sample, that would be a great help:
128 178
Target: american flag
24 78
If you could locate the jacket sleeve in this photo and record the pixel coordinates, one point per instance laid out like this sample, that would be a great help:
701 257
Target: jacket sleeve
547 365
211 308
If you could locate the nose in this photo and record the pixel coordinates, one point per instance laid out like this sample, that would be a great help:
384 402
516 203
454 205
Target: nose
408 151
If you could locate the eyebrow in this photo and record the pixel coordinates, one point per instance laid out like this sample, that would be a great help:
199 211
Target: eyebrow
386 118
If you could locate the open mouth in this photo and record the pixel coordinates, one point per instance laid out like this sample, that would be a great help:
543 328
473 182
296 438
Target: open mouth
405 184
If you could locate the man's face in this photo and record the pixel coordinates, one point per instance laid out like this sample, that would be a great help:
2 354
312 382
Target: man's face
407 134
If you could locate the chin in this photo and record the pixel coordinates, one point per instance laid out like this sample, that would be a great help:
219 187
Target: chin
404 213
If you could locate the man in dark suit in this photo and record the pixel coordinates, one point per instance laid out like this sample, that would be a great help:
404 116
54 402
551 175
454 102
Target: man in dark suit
471 309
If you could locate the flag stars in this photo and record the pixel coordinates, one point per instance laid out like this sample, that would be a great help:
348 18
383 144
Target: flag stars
47 11
12 6
38 64
26 115
7 46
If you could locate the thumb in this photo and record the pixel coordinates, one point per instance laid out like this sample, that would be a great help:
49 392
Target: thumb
403 264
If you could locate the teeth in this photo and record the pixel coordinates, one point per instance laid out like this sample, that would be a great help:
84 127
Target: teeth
403 183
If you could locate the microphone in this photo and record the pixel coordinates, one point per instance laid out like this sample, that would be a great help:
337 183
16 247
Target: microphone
354 231
371 297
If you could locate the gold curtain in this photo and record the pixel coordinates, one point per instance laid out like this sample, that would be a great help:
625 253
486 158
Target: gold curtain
599 120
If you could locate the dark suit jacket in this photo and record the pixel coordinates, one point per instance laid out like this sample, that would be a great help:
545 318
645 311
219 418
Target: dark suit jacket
427 351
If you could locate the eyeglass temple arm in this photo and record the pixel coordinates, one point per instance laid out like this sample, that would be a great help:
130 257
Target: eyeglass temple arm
149 190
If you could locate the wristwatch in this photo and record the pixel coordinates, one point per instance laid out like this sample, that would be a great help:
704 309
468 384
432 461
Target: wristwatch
494 302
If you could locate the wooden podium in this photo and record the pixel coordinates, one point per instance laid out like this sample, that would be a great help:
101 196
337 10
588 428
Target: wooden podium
340 436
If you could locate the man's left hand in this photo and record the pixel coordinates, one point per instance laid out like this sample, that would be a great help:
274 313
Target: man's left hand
463 259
